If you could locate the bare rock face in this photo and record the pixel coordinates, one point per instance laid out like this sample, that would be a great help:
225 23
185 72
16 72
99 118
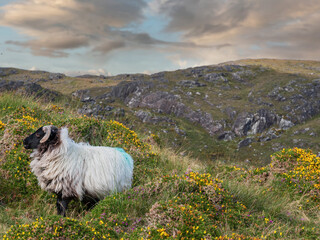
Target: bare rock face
167 103
124 89
191 83
226 136
147 117
216 77
285 124
163 102
31 89
247 123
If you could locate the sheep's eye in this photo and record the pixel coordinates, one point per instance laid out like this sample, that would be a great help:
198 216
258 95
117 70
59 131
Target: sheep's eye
37 135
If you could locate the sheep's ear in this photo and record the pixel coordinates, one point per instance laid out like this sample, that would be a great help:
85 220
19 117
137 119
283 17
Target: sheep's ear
47 131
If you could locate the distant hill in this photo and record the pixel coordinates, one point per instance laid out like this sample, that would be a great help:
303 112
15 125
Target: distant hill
242 110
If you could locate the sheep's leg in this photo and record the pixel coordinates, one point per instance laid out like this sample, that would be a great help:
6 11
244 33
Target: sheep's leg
90 202
62 204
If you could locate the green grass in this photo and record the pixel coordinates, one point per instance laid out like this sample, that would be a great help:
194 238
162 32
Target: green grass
173 196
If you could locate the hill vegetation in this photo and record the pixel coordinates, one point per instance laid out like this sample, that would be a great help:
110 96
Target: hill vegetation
238 111
172 197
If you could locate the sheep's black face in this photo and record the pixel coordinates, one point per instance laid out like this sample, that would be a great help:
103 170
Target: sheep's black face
34 140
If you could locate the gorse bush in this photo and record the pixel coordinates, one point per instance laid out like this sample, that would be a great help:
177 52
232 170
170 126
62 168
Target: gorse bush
299 169
53 227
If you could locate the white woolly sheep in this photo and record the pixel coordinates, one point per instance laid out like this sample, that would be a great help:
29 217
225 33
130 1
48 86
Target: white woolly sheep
77 170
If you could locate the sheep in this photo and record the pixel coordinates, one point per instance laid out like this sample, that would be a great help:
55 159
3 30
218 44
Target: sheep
77 170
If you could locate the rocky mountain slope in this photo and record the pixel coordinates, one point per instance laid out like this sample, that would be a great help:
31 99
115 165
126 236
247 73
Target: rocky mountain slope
241 110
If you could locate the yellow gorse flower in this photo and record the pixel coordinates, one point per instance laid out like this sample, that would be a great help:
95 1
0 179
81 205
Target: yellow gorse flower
2 125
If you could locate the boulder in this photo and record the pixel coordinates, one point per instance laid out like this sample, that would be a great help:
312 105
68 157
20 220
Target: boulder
191 83
247 123
216 77
245 142
285 124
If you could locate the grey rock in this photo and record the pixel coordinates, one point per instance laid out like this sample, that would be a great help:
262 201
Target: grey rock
56 76
275 94
230 68
85 111
108 108
285 124
147 117
198 72
120 112
130 92
87 99
242 75
124 89
163 102
216 77
30 89
7 71
268 135
231 113
81 94
159 77
191 83
245 142
179 131
143 116
254 123
226 136
167 103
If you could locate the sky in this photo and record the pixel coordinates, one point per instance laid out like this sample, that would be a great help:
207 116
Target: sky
112 37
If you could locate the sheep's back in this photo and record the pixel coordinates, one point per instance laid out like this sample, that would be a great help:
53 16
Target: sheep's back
107 170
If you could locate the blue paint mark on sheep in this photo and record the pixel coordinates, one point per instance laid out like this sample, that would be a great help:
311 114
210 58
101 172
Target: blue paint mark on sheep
126 156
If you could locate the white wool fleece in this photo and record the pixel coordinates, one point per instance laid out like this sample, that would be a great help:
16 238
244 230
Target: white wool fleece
78 169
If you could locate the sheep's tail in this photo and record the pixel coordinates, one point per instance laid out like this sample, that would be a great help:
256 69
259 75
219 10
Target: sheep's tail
126 156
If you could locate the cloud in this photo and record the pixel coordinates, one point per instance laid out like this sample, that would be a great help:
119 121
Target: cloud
293 24
58 25
101 26
205 32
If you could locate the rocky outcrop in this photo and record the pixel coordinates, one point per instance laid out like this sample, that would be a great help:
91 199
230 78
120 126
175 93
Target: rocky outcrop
7 71
191 83
167 103
147 117
30 89
216 77
302 99
247 123
124 89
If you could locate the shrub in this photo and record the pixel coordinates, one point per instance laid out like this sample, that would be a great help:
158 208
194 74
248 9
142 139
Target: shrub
55 227
299 169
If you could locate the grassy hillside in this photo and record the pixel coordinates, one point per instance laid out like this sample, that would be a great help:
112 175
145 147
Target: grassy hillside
245 89
172 197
